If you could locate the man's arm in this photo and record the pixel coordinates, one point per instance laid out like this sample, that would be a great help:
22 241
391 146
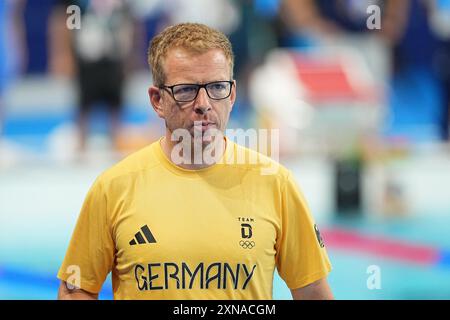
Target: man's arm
75 294
319 290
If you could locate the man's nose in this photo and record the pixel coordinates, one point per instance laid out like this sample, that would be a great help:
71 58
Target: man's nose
202 103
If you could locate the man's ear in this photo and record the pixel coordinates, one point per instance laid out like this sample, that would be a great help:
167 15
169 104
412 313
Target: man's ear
233 94
155 96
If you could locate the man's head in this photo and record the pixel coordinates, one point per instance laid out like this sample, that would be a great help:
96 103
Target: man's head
191 53
194 37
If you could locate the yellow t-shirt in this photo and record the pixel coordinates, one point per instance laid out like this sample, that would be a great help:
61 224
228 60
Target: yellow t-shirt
216 233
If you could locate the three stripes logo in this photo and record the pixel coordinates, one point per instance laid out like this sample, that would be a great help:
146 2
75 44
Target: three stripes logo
139 237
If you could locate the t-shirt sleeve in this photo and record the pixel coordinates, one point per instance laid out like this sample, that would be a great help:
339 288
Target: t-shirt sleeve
301 255
90 255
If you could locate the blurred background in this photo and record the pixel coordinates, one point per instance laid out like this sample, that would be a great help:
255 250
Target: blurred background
359 91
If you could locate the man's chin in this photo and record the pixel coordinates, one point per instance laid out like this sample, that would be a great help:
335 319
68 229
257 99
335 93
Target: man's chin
207 137
208 141
204 141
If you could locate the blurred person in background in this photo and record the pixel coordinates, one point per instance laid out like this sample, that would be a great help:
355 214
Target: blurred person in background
3 52
415 93
440 24
185 217
254 36
34 29
301 20
11 47
101 51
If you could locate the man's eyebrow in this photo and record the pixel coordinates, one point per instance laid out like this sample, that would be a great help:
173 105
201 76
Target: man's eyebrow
196 82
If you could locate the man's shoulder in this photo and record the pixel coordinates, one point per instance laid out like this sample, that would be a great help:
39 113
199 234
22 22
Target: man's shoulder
254 161
134 163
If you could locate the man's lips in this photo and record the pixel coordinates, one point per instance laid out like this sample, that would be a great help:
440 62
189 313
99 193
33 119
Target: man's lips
204 125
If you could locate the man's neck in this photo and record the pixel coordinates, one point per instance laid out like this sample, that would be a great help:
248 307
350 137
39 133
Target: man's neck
168 145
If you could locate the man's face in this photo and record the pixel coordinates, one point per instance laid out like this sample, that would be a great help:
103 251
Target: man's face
185 67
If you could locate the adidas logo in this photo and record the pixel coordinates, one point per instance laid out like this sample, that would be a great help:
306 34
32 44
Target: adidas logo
140 239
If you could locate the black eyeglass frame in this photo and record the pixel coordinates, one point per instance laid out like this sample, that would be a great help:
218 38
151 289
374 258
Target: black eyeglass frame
199 86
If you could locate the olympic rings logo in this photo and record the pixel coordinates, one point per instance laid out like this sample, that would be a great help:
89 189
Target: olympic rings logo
247 244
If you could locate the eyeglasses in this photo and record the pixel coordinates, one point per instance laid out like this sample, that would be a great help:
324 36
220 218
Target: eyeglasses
216 90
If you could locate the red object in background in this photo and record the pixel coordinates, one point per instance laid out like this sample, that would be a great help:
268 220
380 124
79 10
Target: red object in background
380 246
327 80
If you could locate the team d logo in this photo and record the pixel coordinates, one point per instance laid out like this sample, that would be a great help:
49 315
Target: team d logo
246 233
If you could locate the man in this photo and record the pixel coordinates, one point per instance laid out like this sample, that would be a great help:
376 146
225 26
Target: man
169 226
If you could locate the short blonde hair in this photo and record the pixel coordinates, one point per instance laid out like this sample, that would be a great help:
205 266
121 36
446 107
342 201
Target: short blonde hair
194 37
